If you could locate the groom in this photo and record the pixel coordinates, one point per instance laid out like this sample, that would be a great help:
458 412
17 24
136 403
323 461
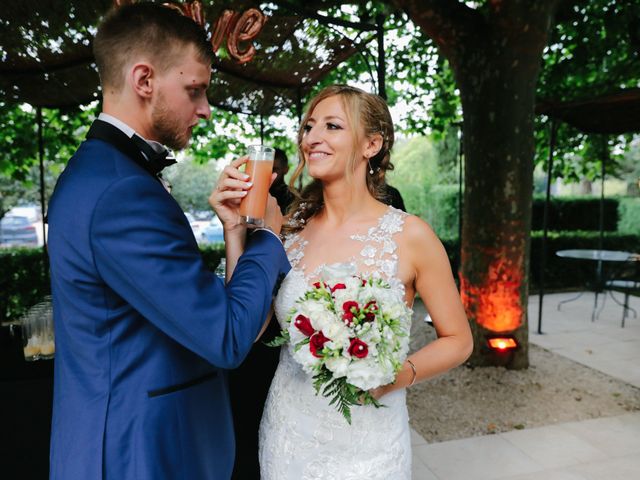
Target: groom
143 331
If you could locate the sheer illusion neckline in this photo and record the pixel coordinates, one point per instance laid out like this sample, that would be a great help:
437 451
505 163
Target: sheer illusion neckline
376 253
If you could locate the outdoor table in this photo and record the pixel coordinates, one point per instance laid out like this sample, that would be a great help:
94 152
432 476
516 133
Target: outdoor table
601 257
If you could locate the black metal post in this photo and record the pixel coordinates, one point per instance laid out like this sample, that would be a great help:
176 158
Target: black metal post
382 89
299 105
545 221
460 201
604 154
45 257
299 113
261 129
603 161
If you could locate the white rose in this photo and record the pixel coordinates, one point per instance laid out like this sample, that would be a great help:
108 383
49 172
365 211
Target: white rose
338 366
314 310
337 332
366 374
304 357
324 320
295 335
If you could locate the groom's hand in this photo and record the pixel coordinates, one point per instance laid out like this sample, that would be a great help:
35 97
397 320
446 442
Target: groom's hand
273 216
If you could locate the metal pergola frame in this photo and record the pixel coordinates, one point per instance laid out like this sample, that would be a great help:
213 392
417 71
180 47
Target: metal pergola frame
616 113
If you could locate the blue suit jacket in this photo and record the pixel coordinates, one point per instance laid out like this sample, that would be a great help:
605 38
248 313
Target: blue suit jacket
143 330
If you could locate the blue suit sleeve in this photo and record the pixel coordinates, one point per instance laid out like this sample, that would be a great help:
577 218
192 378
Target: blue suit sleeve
145 251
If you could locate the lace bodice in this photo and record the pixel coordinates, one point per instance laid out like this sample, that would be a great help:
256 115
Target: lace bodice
374 252
302 437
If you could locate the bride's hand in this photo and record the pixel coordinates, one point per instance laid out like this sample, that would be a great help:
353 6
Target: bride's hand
379 391
230 189
404 379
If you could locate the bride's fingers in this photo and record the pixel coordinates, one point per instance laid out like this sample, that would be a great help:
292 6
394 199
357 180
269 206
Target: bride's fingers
232 171
219 197
233 184
376 392
239 161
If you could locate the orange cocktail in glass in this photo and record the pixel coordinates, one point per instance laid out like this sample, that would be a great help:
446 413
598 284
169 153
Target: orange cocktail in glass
259 168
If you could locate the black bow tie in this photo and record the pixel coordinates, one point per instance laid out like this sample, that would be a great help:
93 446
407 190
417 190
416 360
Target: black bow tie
156 160
135 147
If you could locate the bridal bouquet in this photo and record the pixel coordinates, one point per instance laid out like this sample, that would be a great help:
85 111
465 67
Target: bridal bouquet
352 335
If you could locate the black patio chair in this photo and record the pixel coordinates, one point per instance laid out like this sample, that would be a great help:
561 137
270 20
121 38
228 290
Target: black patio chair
627 282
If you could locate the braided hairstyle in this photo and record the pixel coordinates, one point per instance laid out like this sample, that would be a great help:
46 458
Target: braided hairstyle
367 115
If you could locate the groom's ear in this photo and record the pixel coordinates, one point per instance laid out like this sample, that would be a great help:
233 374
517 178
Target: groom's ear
141 76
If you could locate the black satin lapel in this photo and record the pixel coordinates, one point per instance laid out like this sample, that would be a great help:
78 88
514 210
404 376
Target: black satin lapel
108 133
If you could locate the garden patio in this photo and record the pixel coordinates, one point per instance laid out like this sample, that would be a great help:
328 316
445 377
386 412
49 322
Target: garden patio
508 254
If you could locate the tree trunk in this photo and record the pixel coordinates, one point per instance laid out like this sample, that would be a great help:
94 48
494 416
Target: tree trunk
498 105
495 56
585 187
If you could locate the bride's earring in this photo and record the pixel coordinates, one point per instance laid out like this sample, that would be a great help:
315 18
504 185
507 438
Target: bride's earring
370 168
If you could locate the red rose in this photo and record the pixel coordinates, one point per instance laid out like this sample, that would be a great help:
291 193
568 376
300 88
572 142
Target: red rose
358 348
348 317
348 308
372 306
317 343
370 309
303 324
338 286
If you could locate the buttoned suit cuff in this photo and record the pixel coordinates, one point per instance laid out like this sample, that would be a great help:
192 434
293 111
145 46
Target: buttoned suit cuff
267 229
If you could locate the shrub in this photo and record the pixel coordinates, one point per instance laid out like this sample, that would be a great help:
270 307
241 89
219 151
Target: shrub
575 213
442 210
24 280
629 216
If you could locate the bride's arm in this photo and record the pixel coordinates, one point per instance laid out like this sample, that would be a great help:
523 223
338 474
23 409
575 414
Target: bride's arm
225 200
436 286
231 188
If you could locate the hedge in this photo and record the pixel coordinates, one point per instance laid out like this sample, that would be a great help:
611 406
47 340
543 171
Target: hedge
629 216
575 213
565 213
561 273
23 282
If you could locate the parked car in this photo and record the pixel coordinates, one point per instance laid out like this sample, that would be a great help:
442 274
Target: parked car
196 226
17 231
22 226
213 232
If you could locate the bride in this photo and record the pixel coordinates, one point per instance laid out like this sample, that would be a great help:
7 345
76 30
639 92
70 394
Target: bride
339 222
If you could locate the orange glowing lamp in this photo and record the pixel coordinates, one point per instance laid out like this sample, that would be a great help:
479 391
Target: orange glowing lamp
502 343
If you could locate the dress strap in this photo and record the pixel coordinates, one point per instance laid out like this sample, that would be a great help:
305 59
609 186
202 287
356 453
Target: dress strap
293 242
379 253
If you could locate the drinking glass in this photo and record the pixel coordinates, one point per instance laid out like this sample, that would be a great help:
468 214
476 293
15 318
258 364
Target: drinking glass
259 168
31 334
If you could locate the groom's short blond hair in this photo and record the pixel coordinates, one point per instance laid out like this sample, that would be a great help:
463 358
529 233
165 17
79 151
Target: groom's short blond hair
147 31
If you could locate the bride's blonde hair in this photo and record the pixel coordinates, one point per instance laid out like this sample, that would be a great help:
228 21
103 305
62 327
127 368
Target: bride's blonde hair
367 115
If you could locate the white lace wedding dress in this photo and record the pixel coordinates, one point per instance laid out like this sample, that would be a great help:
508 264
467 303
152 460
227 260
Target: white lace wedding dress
302 437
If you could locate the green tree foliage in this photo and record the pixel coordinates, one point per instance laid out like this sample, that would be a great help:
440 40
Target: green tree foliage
416 171
192 183
424 182
62 132
594 50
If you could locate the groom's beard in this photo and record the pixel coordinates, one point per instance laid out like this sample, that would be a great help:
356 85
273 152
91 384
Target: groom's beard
166 126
